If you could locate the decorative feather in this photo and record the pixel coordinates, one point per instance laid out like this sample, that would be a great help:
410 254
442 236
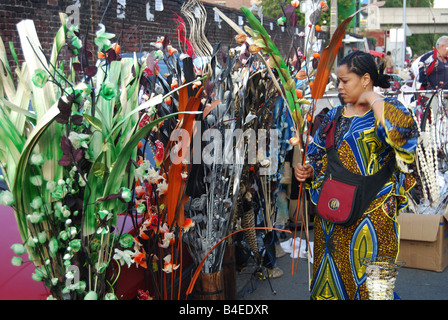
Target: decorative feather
196 15
263 40
181 30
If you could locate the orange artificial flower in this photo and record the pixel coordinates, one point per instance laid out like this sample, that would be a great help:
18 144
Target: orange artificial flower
318 28
188 223
140 145
240 38
308 117
168 266
295 3
174 84
311 84
254 49
294 141
299 93
116 47
140 259
316 55
171 50
168 100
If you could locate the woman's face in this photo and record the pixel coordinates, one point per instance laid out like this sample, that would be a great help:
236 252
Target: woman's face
349 84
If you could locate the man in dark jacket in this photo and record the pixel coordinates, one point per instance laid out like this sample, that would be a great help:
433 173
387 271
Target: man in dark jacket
433 67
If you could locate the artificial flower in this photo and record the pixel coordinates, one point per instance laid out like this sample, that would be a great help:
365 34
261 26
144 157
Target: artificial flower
75 245
140 259
36 203
102 230
18 248
162 188
126 240
140 191
196 84
281 21
35 217
174 84
104 215
6 198
188 224
91 295
42 236
140 207
295 3
152 222
102 39
254 49
123 256
126 194
110 296
108 90
164 228
143 295
40 78
37 159
294 141
171 50
168 239
16 261
240 38
36 181
168 266
53 246
78 140
140 172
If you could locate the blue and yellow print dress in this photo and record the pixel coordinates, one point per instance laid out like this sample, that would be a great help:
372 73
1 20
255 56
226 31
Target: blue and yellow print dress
364 146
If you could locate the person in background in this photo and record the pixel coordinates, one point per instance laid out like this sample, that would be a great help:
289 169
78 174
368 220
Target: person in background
388 63
431 69
371 131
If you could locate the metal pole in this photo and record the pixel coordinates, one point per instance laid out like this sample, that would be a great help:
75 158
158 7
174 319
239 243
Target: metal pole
334 24
404 33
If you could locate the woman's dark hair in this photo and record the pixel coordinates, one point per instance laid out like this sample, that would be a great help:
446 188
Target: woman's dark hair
360 63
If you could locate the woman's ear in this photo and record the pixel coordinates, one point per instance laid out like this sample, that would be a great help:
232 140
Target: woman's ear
366 80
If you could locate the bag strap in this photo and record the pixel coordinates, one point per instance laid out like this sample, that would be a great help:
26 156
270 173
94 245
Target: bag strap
330 129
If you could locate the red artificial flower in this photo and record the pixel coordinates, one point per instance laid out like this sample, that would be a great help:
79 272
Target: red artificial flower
143 295
144 121
158 158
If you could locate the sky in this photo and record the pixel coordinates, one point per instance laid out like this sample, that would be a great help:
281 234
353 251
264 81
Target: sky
440 4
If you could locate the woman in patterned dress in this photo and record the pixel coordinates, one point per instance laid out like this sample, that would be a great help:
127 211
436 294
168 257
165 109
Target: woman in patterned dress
371 130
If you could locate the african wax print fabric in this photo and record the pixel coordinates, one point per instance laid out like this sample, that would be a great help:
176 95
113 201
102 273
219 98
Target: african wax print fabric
364 146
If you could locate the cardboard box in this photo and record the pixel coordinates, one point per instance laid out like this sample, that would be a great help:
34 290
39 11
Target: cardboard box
424 241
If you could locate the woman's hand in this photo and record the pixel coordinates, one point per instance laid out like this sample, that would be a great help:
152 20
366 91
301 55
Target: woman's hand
303 172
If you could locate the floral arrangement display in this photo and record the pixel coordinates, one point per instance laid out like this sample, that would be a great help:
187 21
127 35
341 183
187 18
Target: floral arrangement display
96 141
70 158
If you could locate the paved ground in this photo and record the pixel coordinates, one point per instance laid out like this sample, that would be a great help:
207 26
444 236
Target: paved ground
411 284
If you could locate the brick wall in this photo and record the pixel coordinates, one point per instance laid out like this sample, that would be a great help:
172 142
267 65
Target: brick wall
141 24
